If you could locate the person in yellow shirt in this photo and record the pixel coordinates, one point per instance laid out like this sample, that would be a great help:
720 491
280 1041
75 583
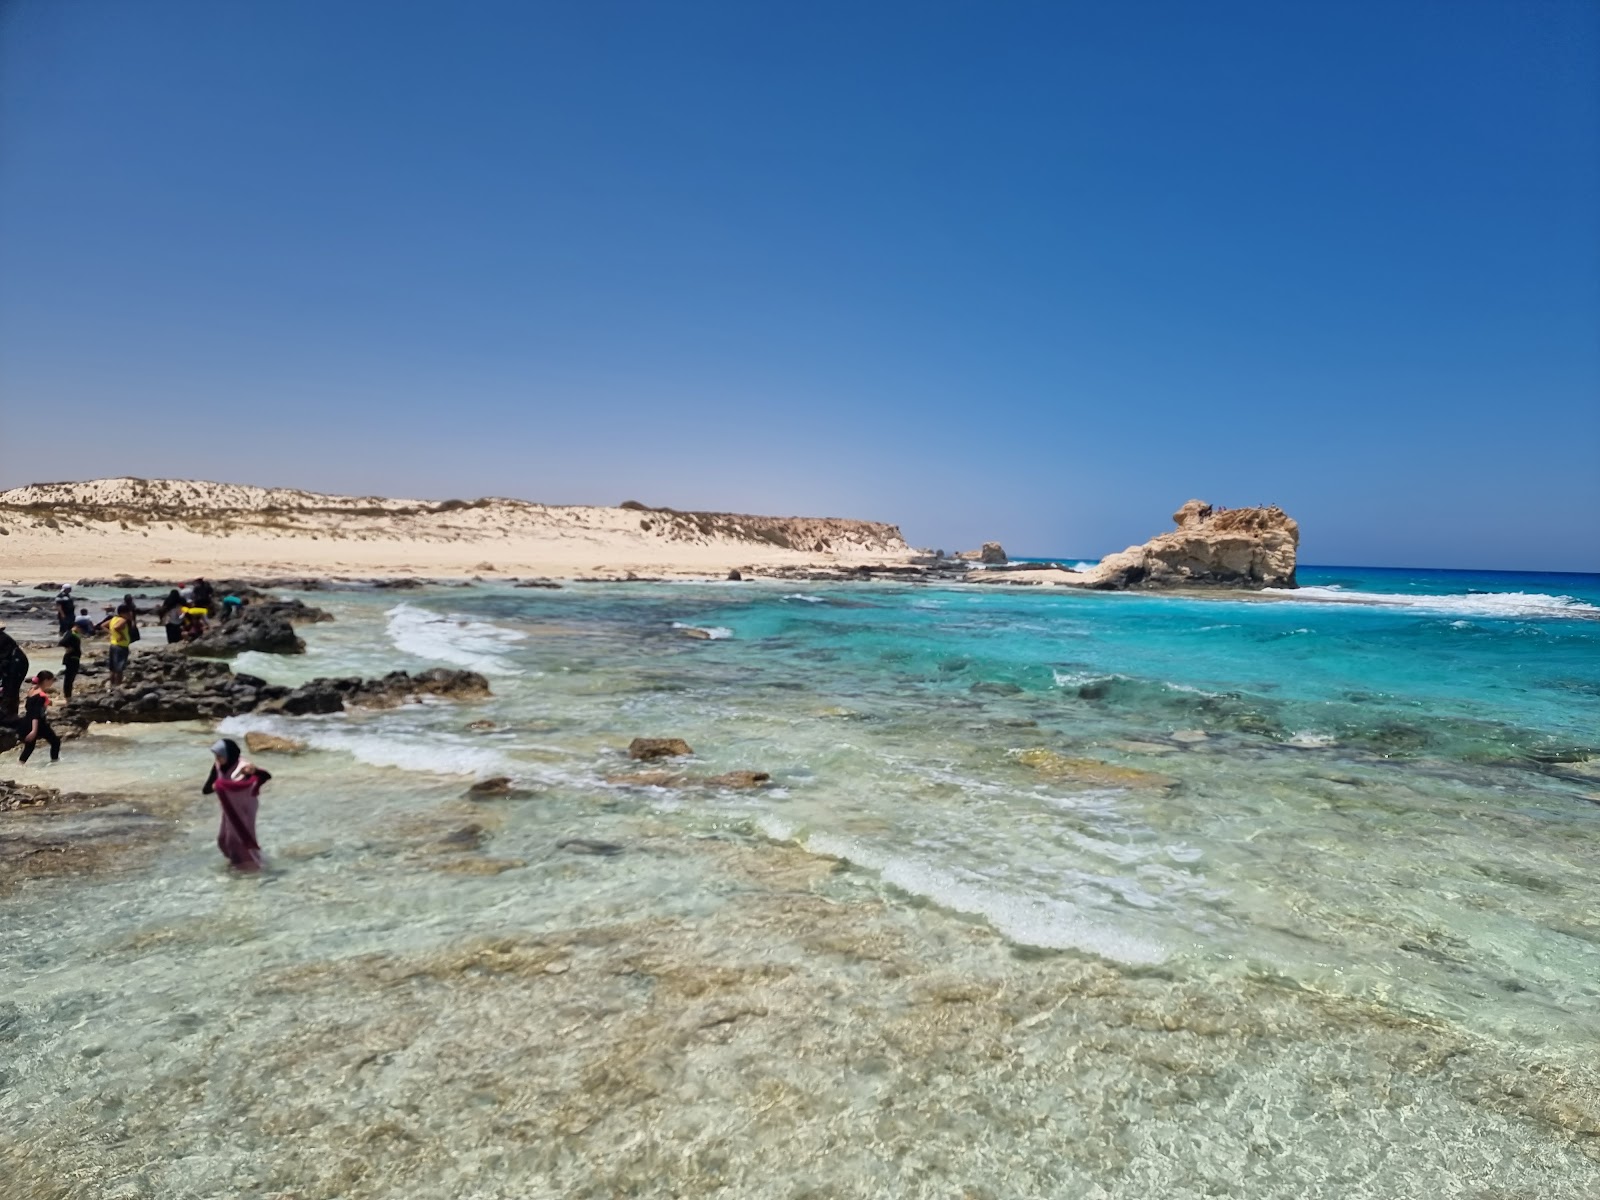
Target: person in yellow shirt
120 633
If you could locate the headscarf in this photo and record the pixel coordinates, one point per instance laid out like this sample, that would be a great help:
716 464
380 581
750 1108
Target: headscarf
229 749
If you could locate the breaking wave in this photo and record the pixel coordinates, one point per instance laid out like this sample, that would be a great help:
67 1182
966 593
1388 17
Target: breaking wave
460 641
1475 604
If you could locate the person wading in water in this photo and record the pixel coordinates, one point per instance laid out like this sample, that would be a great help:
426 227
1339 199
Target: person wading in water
64 614
35 724
236 783
170 614
71 660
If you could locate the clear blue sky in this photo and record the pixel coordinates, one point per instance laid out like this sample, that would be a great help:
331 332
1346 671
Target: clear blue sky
1030 271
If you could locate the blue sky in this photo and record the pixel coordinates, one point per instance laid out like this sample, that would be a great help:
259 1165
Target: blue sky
1030 271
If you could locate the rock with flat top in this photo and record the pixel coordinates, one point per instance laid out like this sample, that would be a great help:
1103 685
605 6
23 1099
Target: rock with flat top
650 749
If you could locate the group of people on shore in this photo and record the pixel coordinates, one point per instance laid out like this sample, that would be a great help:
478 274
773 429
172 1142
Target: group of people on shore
184 613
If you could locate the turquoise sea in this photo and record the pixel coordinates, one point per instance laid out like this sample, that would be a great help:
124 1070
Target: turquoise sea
1051 894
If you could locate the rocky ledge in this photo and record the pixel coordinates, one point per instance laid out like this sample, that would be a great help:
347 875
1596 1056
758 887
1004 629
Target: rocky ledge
173 687
1230 547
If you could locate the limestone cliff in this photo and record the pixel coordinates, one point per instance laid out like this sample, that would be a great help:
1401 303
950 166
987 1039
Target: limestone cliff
1231 547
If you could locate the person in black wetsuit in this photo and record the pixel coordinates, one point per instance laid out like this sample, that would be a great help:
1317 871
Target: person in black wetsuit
13 670
64 614
205 597
35 723
71 660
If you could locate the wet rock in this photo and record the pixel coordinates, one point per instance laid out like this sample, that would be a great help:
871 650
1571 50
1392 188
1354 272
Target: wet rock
1090 771
689 631
1190 737
738 779
394 689
735 577
468 837
481 726
650 749
269 743
537 583
583 845
266 626
497 785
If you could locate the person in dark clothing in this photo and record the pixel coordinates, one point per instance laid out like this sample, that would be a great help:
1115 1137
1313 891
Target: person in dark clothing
13 670
35 723
64 613
170 614
71 660
133 617
205 597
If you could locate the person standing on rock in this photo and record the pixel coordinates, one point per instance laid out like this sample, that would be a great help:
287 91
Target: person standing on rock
170 614
205 597
119 631
236 783
35 723
133 617
13 670
64 613
71 660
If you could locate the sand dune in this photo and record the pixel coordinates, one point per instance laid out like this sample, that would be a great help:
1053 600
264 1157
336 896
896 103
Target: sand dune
178 528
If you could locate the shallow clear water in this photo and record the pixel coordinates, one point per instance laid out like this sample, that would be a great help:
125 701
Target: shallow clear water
1359 838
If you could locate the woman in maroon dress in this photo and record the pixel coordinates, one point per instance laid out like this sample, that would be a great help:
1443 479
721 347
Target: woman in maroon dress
237 787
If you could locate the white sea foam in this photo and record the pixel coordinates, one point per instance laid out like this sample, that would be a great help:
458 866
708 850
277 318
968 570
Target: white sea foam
1041 921
715 632
433 755
806 598
461 641
1481 604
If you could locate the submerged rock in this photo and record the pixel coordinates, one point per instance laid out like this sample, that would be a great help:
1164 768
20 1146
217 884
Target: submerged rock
269 743
650 749
1090 771
582 845
394 689
1234 547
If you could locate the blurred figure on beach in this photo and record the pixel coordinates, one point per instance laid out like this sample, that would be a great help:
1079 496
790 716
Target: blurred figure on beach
35 722
13 670
231 606
194 622
236 783
71 659
205 596
132 611
119 632
170 614
64 615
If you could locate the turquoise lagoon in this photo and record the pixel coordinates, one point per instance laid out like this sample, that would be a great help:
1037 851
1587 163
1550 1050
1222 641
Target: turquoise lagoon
1052 894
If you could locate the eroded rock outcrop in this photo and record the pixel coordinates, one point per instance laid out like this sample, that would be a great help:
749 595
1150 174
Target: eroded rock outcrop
266 626
1230 547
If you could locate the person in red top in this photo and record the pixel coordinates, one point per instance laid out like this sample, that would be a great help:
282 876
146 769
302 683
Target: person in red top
236 783
36 723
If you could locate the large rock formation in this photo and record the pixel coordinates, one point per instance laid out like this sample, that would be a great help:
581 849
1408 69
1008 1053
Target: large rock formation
1230 547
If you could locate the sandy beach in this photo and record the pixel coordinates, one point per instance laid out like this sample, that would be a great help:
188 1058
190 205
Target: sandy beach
179 529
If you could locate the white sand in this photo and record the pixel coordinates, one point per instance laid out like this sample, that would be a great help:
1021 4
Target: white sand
171 529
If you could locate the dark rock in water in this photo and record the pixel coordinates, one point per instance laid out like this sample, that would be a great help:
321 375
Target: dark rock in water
394 689
266 626
498 785
649 749
163 686
537 583
580 845
1097 689
269 635
985 687
480 726
404 583
735 577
